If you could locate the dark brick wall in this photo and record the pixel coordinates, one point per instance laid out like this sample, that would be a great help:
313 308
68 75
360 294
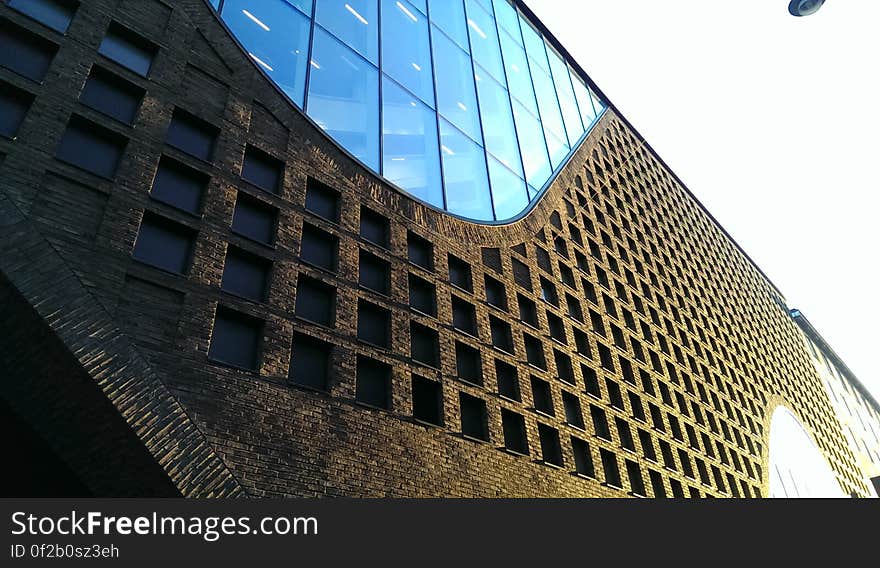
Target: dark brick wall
47 388
728 350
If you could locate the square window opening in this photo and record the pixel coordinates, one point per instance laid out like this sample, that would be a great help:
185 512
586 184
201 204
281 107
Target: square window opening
322 200
164 244
373 383
235 339
474 422
310 363
427 400
246 275
262 170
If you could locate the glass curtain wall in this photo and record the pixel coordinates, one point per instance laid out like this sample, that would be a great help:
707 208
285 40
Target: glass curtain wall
461 103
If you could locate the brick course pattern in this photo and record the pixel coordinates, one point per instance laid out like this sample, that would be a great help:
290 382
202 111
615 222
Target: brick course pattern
652 300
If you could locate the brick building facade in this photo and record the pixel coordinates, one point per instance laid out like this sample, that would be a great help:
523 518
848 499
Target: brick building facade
203 295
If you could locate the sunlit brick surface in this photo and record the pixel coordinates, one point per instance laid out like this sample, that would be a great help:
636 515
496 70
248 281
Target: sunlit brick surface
645 309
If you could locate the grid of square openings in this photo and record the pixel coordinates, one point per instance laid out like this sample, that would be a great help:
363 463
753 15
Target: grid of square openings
90 146
564 321
731 356
631 349
639 332
640 340
167 240
637 369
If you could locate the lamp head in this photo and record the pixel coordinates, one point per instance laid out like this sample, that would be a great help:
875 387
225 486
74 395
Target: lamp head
804 7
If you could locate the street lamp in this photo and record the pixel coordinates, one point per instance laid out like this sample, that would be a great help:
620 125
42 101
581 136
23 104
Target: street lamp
804 7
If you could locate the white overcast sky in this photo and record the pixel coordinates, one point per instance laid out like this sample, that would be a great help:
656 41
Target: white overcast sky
772 122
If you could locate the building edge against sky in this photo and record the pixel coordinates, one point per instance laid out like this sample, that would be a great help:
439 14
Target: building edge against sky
244 309
856 407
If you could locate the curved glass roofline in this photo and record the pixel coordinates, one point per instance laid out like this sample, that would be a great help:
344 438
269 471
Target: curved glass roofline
464 105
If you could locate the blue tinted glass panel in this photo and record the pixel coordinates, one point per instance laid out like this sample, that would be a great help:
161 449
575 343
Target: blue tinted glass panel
54 13
598 105
475 110
411 152
533 146
574 128
304 5
276 36
508 19
534 45
465 176
422 5
498 126
519 79
344 97
128 50
355 22
509 193
456 97
407 56
449 16
585 103
551 117
558 148
484 40
533 193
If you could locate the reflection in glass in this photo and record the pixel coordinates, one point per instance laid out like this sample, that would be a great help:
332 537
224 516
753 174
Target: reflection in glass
533 193
456 99
585 102
499 131
570 114
54 14
598 105
508 106
484 40
355 22
304 5
411 157
465 177
344 97
407 59
551 117
276 37
534 44
422 6
508 19
449 16
533 146
509 193
518 77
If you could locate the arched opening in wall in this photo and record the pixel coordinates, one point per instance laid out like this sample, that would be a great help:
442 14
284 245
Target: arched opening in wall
797 467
